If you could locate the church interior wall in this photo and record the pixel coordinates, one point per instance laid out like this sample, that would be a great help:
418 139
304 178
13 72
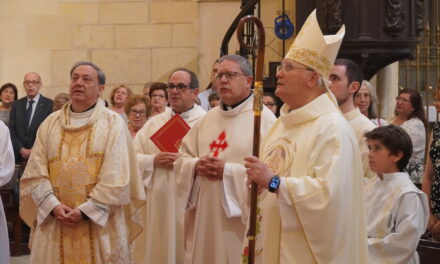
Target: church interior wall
133 41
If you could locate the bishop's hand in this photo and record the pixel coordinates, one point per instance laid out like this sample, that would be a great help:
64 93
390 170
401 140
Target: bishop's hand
258 171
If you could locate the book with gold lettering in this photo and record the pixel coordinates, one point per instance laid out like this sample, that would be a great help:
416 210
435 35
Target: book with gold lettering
169 137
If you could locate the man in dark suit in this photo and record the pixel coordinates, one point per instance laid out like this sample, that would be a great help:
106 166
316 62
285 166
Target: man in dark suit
27 114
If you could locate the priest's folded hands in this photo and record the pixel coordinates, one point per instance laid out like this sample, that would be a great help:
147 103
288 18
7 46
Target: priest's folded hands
165 160
67 215
210 167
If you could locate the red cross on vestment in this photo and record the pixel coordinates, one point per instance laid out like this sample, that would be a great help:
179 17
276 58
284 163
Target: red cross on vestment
219 144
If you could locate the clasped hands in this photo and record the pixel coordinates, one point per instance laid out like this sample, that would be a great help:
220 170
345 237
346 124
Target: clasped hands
210 167
67 215
434 227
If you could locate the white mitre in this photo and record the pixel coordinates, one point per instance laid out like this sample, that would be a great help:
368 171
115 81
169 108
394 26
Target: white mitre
315 50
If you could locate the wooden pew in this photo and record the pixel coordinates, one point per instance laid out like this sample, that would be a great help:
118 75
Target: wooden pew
429 252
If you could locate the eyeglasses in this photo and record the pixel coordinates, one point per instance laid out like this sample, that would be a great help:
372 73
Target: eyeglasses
269 104
289 67
362 95
138 112
228 75
180 86
27 83
401 99
158 95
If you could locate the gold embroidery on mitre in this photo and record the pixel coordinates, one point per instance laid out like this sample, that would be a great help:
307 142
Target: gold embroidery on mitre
314 49
311 59
73 174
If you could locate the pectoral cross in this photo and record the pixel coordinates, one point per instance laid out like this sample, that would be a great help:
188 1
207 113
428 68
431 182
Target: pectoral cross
219 144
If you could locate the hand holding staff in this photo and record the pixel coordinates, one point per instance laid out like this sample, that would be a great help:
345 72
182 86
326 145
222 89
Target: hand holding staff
258 107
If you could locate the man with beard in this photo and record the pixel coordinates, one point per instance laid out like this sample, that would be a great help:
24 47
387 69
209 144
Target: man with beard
80 190
162 241
346 78
210 170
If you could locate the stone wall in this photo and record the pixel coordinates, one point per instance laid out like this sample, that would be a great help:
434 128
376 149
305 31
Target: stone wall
132 41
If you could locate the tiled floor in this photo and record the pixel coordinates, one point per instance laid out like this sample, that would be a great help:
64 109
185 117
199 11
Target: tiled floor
20 260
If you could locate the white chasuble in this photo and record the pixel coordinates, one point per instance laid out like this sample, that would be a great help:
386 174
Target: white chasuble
90 167
162 241
318 215
214 221
397 216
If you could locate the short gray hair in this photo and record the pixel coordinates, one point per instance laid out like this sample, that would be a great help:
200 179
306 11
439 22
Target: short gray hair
245 66
101 74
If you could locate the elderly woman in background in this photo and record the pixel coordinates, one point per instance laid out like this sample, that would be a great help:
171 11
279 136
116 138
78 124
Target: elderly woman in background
59 100
366 100
8 94
431 177
158 98
410 115
118 99
138 109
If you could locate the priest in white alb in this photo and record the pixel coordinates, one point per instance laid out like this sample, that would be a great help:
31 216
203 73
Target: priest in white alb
162 242
311 208
7 165
210 170
346 78
80 192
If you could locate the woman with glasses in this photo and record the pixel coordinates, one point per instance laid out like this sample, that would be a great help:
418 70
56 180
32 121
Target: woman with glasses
366 100
270 102
138 109
158 98
410 115
118 99
8 94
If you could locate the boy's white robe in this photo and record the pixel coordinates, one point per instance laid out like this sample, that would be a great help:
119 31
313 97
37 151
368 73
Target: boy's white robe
397 216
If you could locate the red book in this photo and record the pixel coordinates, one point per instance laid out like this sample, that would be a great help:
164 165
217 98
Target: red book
169 137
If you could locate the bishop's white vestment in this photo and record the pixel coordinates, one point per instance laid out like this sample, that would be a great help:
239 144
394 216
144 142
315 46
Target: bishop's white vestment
318 215
214 221
397 216
86 161
162 241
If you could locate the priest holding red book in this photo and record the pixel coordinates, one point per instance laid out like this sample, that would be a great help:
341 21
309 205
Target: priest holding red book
162 238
